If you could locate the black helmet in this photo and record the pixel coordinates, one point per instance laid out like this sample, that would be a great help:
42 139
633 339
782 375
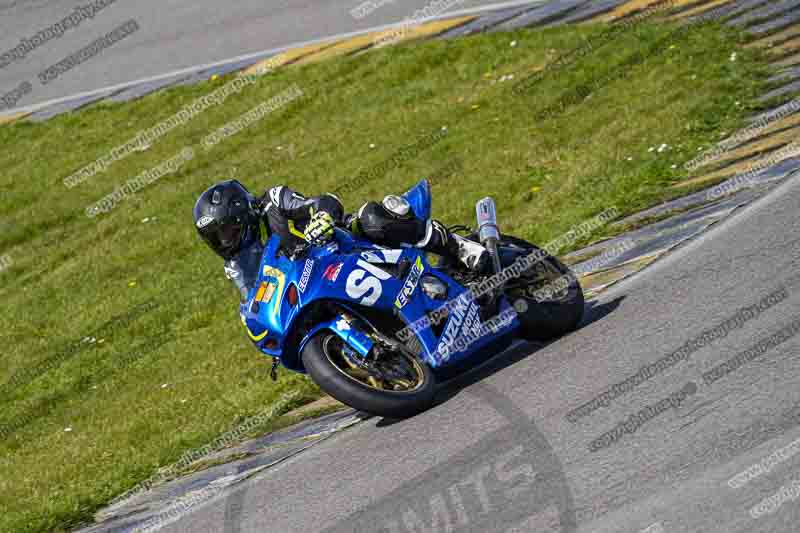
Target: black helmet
223 215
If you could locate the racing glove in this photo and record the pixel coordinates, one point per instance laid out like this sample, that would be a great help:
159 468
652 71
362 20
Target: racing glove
319 229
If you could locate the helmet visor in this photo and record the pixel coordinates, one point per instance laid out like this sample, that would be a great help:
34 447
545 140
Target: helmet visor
224 237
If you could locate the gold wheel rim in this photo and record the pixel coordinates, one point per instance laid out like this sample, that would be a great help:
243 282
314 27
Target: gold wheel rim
365 378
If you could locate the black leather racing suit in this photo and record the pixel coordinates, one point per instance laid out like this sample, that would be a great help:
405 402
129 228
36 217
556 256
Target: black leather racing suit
286 213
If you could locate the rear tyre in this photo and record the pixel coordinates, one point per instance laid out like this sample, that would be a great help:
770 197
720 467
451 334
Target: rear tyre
548 298
397 386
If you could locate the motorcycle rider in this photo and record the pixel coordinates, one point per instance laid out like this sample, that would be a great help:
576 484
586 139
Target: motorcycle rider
228 218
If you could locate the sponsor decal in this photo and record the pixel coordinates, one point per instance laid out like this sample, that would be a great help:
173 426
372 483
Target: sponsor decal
365 283
410 284
332 272
265 292
382 256
464 319
280 279
308 267
204 221
371 257
343 324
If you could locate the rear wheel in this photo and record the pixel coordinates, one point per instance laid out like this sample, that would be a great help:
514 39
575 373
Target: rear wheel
391 383
548 294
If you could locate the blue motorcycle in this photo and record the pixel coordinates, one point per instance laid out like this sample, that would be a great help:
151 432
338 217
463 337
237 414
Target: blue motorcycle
376 327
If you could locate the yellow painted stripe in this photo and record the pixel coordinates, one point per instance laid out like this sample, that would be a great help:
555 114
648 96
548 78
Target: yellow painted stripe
760 146
699 10
341 48
759 162
783 35
789 47
12 118
784 123
634 6
392 36
596 282
765 133
790 61
433 28
287 57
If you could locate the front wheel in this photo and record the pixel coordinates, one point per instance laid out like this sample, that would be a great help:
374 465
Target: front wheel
394 384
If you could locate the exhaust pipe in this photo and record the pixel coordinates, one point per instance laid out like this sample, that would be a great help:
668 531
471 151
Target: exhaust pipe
488 231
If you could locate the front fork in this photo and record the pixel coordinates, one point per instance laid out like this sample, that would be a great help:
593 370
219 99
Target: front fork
345 327
359 342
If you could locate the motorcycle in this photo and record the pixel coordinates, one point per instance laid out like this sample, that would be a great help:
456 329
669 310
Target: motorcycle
377 327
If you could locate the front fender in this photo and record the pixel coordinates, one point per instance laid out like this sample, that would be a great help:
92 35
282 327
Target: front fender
340 325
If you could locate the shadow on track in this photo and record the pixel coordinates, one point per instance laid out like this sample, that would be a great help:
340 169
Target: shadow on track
466 373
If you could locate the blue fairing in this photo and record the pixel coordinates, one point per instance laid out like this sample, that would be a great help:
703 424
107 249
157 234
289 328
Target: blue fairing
356 275
419 196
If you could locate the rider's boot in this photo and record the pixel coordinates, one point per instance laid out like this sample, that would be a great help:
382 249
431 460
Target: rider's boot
471 254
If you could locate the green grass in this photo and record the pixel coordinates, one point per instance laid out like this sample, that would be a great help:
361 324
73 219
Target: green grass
71 273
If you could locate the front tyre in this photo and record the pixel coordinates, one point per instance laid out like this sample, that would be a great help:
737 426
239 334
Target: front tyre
395 385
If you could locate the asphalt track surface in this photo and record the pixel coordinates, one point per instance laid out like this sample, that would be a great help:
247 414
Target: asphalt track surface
499 454
174 35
